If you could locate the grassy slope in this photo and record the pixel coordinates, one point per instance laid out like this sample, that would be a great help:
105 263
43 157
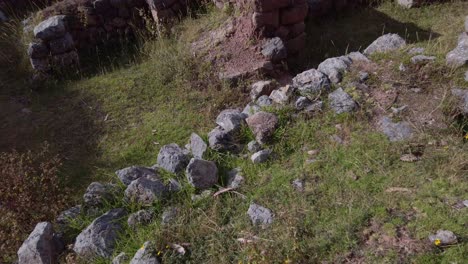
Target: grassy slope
158 101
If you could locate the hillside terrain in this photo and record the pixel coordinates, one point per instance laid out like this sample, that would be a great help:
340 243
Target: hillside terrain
364 162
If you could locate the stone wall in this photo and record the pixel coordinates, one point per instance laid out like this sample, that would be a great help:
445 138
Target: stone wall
167 10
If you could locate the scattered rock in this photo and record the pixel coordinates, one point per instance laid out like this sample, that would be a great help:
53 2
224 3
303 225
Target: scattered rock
121 258
235 178
459 56
363 76
409 158
63 219
443 238
313 152
172 158
402 67
311 82
146 190
231 120
204 195
127 175
263 125
395 131
221 140
385 43
275 50
261 156
261 88
298 185
302 102
197 146
98 239
337 139
251 109
40 247
142 217
341 102
282 95
260 215
462 95
335 68
253 146
409 3
52 28
146 255
202 174
422 59
314 107
264 101
416 50
169 215
97 193
358 57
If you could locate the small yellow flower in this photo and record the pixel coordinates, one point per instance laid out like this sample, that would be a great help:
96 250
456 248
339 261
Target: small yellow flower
159 253
287 261
167 246
437 242
466 136
143 246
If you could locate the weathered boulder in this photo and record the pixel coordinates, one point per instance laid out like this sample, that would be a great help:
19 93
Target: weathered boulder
202 174
335 68
235 178
146 190
395 131
263 125
254 146
357 56
264 101
98 239
147 254
261 88
97 193
274 50
260 215
261 156
172 158
121 258
311 82
443 238
197 146
231 120
40 247
462 96
51 28
169 215
142 217
385 43
341 102
221 140
127 175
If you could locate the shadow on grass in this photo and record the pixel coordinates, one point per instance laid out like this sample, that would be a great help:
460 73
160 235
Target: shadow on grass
351 31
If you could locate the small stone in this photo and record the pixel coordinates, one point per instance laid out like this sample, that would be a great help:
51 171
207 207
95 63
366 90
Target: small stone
172 158
142 217
64 218
395 131
363 76
261 156
443 238
121 258
465 203
169 215
302 102
279 97
385 43
337 139
274 50
253 146
264 101
358 57
335 68
231 120
221 140
416 50
313 152
260 215
402 67
261 88
97 193
409 158
398 110
422 59
197 146
459 56
298 185
416 90
341 102
462 96
40 246
127 175
263 125
314 107
235 178
146 255
146 190
202 174
251 109
311 82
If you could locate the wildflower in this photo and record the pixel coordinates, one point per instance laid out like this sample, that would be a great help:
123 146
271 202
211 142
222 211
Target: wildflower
287 261
437 242
159 253
143 246
466 136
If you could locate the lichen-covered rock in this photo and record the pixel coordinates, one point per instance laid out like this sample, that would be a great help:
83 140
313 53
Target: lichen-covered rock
263 125
142 217
172 158
459 56
264 101
261 156
251 109
260 215
274 49
97 193
147 254
335 68
51 28
221 140
341 102
231 120
202 174
40 246
395 131
385 43
261 88
127 175
98 239
197 146
311 82
146 190
235 178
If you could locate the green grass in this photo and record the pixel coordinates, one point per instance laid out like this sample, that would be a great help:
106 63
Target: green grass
122 115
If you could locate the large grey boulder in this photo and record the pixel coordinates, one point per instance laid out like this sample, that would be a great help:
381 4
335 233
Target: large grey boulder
220 140
263 125
142 217
97 193
172 158
202 174
51 28
274 50
462 95
261 156
341 102
443 238
40 247
197 146
98 239
311 82
127 175
459 56
385 43
146 190
146 255
231 120
260 215
261 88
395 131
335 68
